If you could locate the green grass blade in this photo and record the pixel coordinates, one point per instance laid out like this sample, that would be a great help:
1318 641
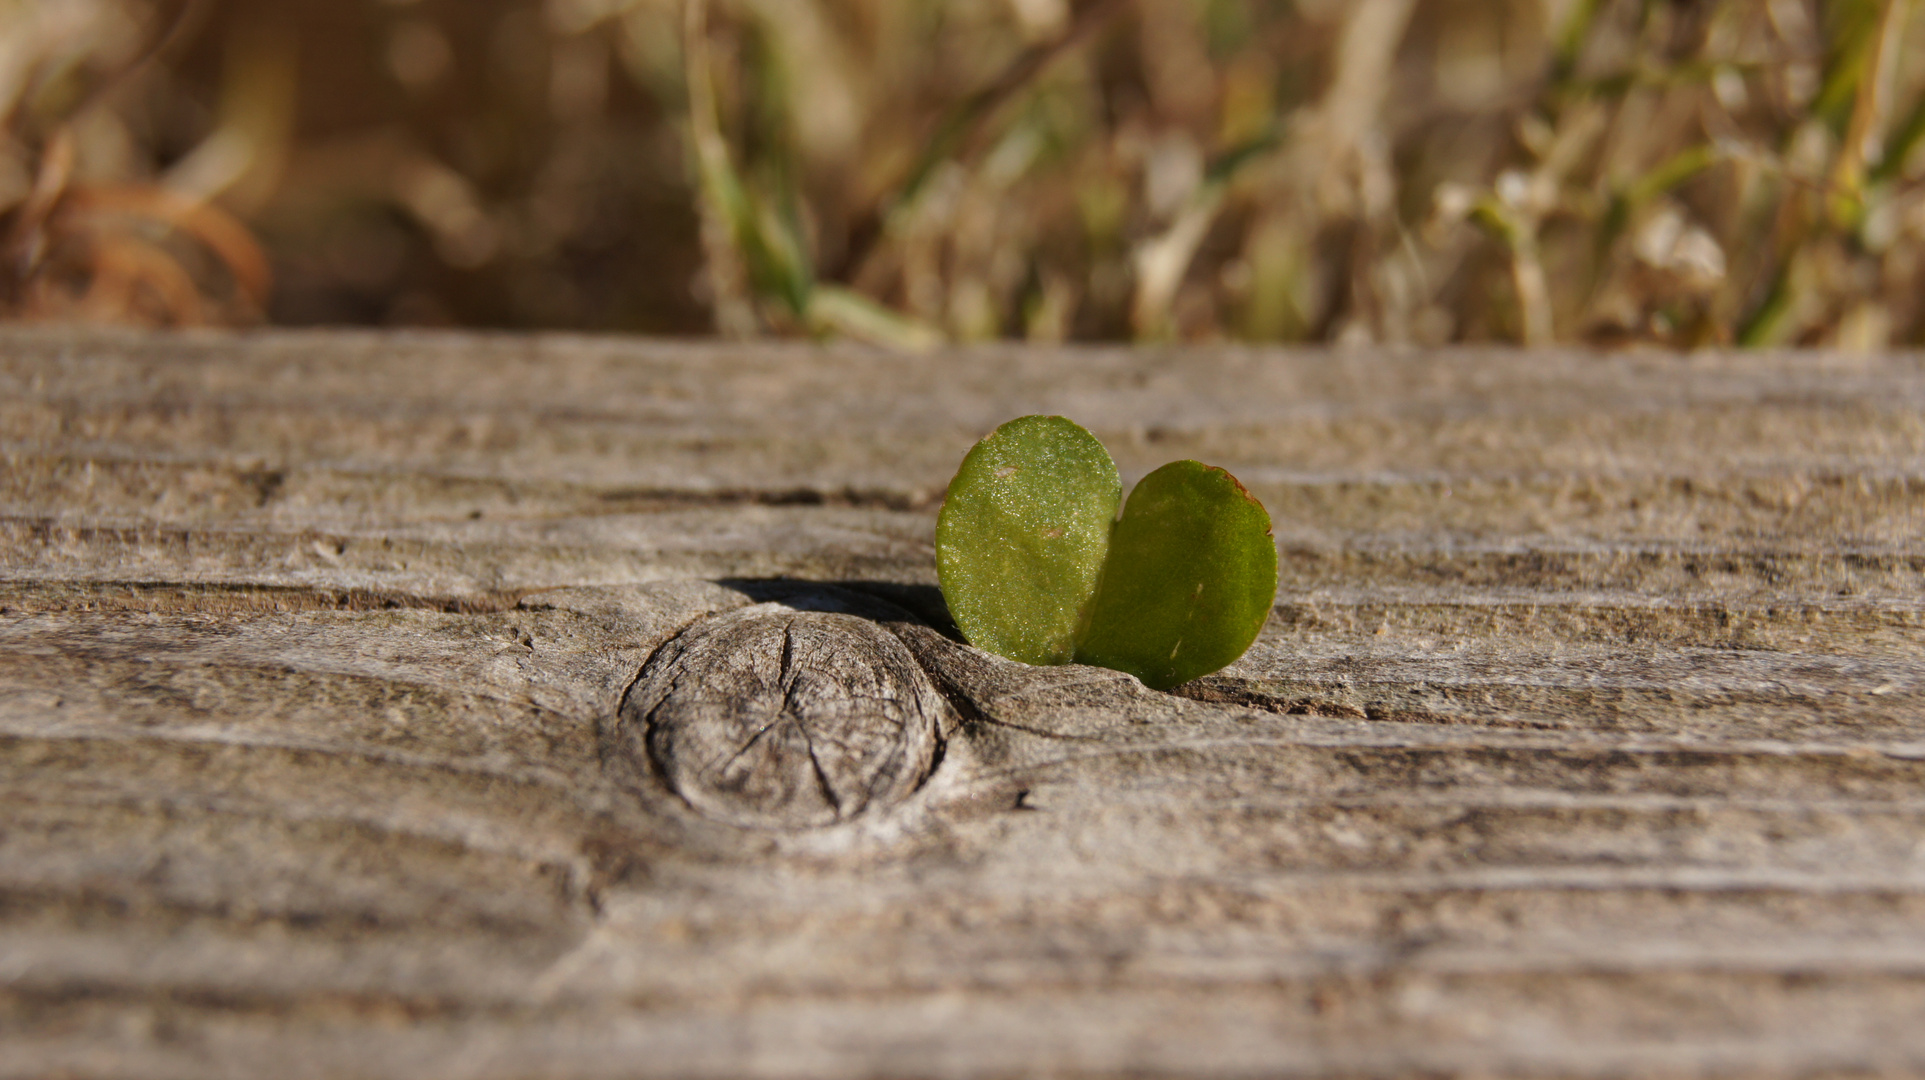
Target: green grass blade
1191 574
1022 537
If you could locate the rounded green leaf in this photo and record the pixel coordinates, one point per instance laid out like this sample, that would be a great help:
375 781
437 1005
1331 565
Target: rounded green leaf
1191 575
1022 536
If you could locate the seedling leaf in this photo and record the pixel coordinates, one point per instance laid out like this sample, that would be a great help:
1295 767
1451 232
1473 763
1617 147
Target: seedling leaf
1191 574
1022 537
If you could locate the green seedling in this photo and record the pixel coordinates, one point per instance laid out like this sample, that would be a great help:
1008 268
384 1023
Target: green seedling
1036 564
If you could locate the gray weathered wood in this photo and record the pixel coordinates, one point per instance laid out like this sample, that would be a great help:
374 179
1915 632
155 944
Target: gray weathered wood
1586 738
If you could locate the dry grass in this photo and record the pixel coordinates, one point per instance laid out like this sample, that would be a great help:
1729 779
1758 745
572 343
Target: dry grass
910 171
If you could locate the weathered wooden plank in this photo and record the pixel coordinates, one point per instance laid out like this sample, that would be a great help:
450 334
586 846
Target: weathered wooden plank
1587 736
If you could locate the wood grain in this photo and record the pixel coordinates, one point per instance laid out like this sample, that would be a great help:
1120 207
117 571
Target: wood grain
1586 738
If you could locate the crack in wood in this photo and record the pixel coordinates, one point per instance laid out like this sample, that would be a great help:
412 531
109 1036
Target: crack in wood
219 598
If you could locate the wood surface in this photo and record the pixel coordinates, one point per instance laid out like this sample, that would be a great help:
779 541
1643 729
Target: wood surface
1587 736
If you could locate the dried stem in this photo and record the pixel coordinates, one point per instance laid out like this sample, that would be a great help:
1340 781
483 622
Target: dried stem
722 198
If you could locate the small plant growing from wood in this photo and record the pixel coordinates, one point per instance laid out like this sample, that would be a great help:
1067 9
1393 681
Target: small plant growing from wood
1036 564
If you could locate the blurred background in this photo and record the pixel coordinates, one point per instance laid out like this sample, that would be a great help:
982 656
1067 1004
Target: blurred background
1685 173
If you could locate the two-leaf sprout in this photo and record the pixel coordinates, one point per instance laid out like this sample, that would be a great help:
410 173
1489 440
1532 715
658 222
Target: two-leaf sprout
1037 566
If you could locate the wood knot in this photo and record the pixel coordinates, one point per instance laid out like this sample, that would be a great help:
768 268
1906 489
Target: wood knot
777 717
